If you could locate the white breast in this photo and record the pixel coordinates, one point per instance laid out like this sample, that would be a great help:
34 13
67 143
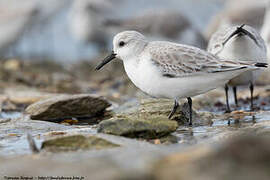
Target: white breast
143 74
243 49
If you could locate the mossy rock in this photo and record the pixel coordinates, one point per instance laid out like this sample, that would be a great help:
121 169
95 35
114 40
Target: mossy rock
162 107
150 120
76 142
134 127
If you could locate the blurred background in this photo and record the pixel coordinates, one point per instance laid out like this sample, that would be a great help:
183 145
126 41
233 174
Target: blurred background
69 31
51 47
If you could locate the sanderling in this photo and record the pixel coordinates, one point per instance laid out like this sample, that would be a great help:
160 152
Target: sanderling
168 70
265 31
239 43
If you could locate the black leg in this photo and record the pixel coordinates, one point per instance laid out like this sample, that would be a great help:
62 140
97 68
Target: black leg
251 87
190 110
176 105
235 95
228 110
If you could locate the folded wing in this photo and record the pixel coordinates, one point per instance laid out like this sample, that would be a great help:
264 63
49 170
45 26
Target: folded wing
176 60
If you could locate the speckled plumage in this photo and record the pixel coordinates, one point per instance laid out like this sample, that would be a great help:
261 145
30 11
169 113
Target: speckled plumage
182 60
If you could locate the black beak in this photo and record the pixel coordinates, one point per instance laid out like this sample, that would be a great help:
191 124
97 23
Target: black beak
107 59
241 31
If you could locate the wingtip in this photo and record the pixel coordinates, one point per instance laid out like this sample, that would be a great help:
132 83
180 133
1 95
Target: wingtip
265 65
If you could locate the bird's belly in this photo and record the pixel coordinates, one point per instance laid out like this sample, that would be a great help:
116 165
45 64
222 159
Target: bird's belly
243 49
245 78
150 80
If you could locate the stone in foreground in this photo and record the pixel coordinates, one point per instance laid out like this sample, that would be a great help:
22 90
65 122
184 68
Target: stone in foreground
242 157
133 127
67 106
76 142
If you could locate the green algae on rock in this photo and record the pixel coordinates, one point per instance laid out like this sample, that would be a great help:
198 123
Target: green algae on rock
150 120
67 106
162 107
150 128
76 142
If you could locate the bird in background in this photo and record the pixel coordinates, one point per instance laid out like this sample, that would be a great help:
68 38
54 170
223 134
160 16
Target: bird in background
239 43
265 31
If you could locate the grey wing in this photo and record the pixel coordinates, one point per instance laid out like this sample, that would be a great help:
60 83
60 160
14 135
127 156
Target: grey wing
175 60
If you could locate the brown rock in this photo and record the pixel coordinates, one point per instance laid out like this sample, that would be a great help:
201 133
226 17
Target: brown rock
67 106
76 142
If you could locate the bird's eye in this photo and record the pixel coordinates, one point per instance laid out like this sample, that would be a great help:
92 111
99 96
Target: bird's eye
121 43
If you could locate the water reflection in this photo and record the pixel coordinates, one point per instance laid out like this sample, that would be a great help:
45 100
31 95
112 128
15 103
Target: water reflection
220 127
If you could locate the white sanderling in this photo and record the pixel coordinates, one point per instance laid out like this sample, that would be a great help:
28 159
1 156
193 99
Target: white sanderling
265 31
169 70
239 43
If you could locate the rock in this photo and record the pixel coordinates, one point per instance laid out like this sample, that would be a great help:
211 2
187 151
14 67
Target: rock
67 106
150 120
5 120
76 142
244 157
150 128
163 107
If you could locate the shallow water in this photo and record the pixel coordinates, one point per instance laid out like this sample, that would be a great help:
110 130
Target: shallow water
13 140
11 115
221 127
